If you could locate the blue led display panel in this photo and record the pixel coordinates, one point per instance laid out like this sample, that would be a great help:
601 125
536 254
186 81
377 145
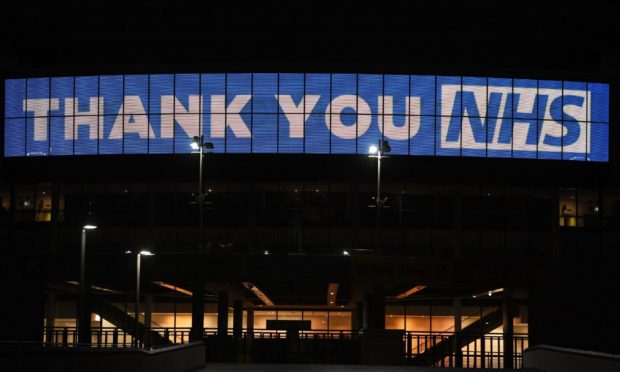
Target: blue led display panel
420 115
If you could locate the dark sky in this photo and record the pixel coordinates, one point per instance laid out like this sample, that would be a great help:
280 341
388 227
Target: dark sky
146 36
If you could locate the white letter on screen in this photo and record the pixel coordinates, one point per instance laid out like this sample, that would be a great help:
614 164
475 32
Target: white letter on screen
188 119
386 121
92 117
362 122
223 116
295 113
41 107
134 119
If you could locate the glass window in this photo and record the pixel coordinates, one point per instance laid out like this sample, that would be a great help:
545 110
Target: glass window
272 204
318 319
289 315
394 316
568 207
417 210
611 203
492 208
443 318
418 319
339 320
43 212
5 204
24 203
163 205
261 317
587 208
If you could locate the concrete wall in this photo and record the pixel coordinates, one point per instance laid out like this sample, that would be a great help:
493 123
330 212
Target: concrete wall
555 359
178 358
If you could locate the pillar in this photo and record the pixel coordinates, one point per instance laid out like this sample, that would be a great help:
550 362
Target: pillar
148 310
508 314
374 306
250 323
458 328
198 311
249 335
50 316
222 313
237 319
357 316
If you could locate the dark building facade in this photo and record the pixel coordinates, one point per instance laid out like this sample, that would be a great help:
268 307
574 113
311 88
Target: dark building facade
487 253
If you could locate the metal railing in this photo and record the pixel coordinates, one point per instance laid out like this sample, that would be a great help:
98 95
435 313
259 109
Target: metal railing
114 337
468 350
439 349
272 334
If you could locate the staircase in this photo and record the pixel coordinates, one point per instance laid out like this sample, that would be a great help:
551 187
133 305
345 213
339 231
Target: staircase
450 344
127 323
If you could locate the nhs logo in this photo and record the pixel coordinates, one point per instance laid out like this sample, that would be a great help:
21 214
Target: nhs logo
514 119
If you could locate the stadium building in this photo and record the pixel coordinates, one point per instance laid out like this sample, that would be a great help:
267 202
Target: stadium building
314 212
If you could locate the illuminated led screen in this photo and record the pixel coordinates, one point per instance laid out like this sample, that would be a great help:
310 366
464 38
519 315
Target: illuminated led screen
307 114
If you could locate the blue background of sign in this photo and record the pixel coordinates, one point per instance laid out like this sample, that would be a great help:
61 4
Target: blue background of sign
269 124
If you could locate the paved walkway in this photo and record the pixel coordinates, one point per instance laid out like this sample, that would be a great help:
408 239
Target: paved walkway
227 367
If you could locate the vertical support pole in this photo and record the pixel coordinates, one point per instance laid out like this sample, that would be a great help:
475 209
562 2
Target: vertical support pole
379 205
138 335
374 307
222 313
458 328
249 334
83 313
508 313
357 316
50 317
200 198
237 319
198 311
148 308
238 329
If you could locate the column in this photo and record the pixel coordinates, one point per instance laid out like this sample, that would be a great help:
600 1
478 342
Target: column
508 329
250 323
198 311
148 310
222 313
50 316
237 319
357 316
249 334
374 306
458 328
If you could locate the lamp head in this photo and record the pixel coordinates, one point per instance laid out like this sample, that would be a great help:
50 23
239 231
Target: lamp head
195 143
89 226
373 149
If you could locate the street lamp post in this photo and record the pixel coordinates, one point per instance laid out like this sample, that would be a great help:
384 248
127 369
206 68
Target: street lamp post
137 307
83 313
377 152
199 144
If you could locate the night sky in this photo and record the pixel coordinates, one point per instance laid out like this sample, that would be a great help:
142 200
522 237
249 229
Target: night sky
545 38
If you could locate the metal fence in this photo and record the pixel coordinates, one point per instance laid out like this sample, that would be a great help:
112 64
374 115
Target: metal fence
439 349
468 350
114 337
